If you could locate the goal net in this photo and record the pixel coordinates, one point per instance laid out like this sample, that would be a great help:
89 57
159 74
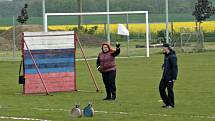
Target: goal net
95 30
191 39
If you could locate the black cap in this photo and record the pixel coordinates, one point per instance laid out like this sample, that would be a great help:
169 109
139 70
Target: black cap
166 45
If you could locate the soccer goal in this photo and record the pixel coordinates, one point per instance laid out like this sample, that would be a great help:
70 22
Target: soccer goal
191 39
144 50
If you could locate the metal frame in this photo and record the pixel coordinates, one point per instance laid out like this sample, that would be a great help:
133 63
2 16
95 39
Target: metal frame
24 44
105 13
167 21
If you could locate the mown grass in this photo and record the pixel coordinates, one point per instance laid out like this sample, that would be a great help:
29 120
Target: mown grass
137 92
91 51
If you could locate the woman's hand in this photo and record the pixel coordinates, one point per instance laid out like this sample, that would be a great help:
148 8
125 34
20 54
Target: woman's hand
117 45
99 69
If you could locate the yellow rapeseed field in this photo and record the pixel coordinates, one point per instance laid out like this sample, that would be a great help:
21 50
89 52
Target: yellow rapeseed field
208 26
5 28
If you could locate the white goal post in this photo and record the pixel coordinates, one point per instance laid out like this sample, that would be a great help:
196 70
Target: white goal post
104 13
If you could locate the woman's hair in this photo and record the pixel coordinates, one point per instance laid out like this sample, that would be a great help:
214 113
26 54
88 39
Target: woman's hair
109 47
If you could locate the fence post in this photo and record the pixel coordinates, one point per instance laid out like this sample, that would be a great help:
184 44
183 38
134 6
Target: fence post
14 39
128 43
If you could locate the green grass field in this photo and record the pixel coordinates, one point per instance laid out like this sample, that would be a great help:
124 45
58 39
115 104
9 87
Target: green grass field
92 51
137 89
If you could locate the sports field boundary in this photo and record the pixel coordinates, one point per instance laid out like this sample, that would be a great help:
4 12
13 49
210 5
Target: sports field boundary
26 119
116 58
126 113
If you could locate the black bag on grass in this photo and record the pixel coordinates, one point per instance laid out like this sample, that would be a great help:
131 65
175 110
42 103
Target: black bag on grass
21 77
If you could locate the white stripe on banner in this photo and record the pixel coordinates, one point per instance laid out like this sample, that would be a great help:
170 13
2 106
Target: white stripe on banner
49 33
49 40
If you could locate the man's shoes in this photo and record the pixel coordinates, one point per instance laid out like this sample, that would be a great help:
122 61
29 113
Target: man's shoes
110 99
113 98
167 106
107 98
163 106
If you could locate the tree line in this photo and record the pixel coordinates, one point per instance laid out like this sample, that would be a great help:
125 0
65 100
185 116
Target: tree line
8 9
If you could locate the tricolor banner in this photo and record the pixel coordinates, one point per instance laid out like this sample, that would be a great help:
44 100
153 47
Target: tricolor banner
50 55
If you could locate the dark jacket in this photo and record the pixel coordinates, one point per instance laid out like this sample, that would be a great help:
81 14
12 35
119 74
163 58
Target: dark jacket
170 67
106 61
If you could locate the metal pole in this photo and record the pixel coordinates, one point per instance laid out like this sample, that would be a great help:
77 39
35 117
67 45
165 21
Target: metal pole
108 21
167 21
80 17
14 39
147 34
38 71
46 24
88 65
105 30
127 36
44 11
181 39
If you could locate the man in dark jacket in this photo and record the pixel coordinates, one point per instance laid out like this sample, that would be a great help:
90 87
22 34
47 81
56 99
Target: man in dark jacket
170 71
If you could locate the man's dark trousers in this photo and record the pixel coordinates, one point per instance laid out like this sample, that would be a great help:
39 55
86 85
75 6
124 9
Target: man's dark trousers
167 99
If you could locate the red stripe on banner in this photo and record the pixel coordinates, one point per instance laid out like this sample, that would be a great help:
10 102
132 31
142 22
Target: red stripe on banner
55 82
49 80
51 87
49 75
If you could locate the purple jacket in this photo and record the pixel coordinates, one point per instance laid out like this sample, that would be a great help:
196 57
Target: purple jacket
106 61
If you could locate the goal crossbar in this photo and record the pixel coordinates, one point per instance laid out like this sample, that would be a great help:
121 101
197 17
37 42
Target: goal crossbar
104 13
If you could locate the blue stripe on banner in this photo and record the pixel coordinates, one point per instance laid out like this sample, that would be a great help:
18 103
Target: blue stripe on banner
49 70
50 65
47 61
50 54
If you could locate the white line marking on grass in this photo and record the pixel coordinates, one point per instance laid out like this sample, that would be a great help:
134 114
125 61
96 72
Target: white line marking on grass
89 91
192 116
111 112
45 109
27 119
66 110
209 117
162 115
116 57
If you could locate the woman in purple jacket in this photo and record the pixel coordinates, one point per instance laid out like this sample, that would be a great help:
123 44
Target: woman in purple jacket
107 66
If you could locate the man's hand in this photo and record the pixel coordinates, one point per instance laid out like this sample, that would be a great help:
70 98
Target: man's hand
117 45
